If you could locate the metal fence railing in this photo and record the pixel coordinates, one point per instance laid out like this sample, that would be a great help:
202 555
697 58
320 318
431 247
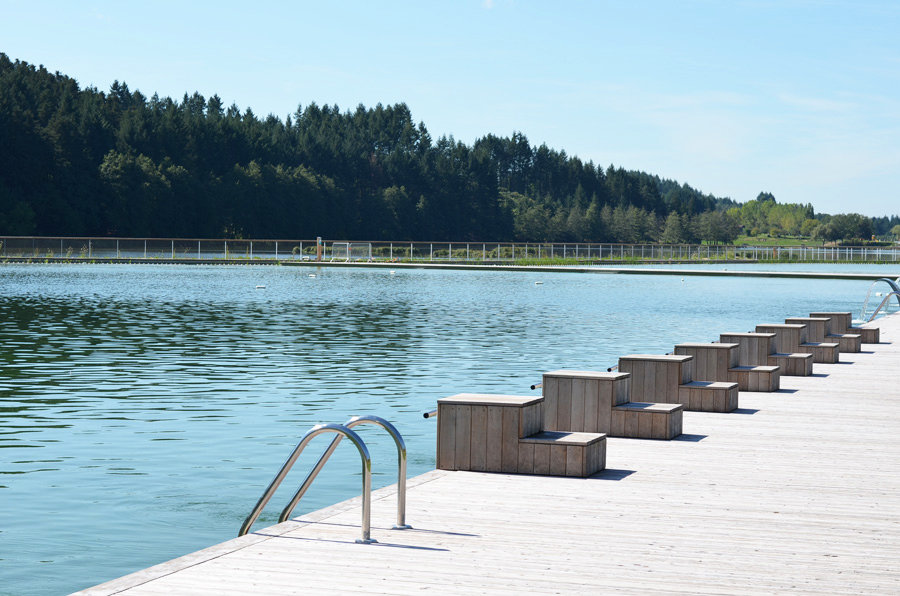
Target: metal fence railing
464 252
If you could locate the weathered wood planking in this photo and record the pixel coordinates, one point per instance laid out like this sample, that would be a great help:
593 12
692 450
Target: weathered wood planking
797 496
596 397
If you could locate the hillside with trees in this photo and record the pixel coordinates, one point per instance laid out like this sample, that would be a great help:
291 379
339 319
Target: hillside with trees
85 162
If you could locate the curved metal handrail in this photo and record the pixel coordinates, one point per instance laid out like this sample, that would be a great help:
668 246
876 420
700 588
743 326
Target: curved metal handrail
883 303
401 471
319 429
895 288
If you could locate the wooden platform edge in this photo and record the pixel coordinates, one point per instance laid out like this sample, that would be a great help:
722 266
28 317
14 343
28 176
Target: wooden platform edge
177 564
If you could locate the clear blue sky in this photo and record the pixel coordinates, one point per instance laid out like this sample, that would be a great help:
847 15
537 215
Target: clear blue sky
800 98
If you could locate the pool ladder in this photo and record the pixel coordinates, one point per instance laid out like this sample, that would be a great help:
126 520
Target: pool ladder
895 292
341 430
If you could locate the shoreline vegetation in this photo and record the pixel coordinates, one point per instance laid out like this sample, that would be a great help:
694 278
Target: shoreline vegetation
80 161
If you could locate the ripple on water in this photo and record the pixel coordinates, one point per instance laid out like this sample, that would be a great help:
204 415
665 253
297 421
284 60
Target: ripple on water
161 400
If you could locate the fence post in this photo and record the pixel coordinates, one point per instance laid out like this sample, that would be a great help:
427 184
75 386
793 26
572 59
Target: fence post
431 252
173 250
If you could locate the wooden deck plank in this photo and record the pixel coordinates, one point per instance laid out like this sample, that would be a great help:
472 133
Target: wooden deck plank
796 493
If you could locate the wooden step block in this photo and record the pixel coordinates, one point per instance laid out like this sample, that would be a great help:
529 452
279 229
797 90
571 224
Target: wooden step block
656 377
868 335
640 420
706 396
794 364
481 432
711 360
840 321
816 327
821 352
756 378
753 348
555 453
847 342
582 401
788 337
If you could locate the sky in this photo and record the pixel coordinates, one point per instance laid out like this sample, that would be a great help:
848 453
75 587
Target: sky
800 98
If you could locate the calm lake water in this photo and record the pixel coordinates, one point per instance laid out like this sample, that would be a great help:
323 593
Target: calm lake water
143 409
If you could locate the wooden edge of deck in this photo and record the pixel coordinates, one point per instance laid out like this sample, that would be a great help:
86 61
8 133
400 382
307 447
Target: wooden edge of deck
229 546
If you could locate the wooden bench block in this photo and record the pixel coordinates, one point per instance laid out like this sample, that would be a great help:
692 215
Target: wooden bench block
647 420
582 401
847 342
788 337
753 348
756 378
840 321
816 327
711 360
793 365
707 396
655 377
481 432
868 335
557 453
821 352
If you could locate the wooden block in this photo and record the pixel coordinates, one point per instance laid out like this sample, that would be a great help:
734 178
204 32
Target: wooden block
564 405
706 401
675 424
695 402
645 425
622 391
493 457
575 460
533 416
649 382
463 437
577 416
673 374
541 458
551 398
478 442
663 388
557 460
509 441
617 425
592 405
637 380
687 371
526 458
631 424
446 437
658 426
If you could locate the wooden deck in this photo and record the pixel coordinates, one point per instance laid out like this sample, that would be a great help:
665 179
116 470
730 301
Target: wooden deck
797 491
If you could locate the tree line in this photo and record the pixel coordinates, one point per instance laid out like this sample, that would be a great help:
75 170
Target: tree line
79 161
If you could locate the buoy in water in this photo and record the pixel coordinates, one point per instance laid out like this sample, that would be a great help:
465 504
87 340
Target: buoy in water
260 287
538 283
312 275
393 272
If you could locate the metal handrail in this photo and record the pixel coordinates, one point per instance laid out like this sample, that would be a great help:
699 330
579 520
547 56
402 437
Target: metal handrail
883 303
537 386
895 287
401 472
366 474
431 414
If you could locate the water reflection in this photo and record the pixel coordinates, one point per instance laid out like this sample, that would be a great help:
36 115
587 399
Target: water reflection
152 404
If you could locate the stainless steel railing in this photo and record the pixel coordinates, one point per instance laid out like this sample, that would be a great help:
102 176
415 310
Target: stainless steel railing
401 469
884 302
366 477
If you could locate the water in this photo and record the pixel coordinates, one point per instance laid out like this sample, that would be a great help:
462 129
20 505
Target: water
144 408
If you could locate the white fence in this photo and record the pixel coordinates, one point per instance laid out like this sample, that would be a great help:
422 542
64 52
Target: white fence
181 249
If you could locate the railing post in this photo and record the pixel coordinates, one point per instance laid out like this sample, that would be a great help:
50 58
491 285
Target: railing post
198 250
